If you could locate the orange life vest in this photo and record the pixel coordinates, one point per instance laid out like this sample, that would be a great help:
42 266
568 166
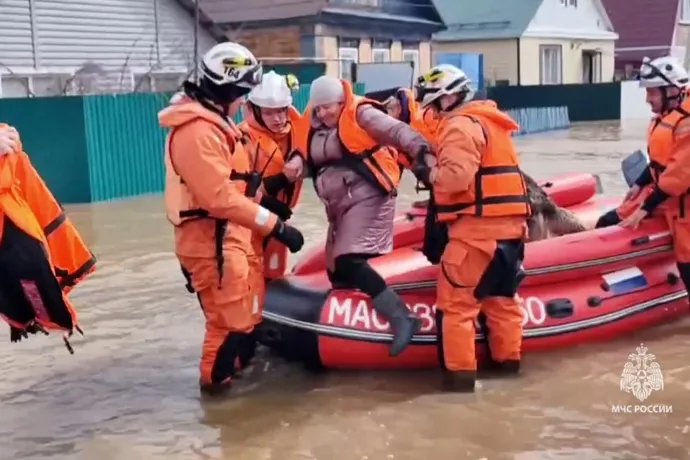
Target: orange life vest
268 160
660 138
42 256
181 207
499 188
377 164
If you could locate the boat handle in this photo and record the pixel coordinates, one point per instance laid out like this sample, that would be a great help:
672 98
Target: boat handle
639 241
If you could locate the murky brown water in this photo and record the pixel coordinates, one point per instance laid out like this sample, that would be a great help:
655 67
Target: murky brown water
130 390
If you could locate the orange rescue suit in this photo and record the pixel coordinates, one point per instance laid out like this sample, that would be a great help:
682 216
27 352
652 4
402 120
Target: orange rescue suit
669 154
377 164
207 171
268 154
481 195
42 256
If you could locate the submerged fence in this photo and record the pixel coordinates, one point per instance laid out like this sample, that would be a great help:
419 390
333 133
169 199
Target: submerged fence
96 148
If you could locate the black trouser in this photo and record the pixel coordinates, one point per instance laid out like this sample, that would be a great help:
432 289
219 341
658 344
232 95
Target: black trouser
354 271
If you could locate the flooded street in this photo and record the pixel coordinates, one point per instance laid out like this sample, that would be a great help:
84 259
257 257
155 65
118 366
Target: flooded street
130 392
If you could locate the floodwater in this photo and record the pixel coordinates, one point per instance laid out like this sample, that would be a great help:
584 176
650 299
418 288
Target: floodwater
130 391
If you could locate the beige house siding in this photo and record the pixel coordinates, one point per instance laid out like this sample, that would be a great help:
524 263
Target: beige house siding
571 58
500 57
327 48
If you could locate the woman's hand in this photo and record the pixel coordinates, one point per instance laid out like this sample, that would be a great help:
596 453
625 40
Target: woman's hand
294 168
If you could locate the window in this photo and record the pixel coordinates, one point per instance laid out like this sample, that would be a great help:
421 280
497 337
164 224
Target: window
685 10
550 64
379 55
348 57
413 57
591 67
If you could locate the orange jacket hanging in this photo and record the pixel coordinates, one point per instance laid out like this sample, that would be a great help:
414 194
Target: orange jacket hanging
28 204
375 163
498 188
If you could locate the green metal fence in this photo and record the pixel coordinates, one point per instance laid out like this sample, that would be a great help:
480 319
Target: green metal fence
96 148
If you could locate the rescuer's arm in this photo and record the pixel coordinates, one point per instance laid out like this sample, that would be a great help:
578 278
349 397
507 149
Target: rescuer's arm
386 130
460 146
675 180
201 158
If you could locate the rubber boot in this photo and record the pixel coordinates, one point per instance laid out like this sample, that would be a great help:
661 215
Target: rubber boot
404 323
215 390
459 381
507 368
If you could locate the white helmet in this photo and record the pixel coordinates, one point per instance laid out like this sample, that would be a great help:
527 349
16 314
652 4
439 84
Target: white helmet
442 80
663 71
274 92
231 64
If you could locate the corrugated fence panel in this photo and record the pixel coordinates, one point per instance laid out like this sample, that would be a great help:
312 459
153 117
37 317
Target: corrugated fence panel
592 102
52 133
125 144
97 148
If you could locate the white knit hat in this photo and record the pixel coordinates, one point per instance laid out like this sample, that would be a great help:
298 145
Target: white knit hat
325 90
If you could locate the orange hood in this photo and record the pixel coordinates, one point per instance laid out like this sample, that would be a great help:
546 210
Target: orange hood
185 109
489 110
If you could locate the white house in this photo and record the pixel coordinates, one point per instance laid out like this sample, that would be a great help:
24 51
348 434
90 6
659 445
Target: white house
531 42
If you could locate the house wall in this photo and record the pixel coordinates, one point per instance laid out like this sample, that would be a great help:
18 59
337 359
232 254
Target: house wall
283 42
117 45
571 59
500 57
327 48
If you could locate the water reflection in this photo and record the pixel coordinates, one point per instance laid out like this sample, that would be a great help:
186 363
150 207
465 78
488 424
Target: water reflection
130 391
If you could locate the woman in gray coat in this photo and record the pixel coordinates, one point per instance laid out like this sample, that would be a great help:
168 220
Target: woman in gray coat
360 215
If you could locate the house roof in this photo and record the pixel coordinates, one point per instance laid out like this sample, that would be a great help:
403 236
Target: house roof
234 11
238 11
485 19
643 23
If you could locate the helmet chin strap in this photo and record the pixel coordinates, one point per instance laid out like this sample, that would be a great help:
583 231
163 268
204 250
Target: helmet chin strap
667 100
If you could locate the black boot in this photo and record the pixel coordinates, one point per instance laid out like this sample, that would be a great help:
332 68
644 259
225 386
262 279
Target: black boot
405 324
507 368
459 381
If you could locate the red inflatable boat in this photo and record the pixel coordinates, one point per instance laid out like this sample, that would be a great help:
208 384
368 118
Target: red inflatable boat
579 288
569 191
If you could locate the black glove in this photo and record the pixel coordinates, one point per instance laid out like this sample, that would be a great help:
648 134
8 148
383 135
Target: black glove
275 184
419 168
277 207
289 236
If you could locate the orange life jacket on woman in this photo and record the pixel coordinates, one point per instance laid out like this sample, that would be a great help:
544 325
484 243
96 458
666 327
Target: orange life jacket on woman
42 256
499 188
377 164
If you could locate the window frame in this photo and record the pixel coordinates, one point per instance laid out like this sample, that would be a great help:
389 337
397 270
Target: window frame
554 75
347 55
